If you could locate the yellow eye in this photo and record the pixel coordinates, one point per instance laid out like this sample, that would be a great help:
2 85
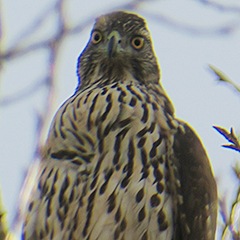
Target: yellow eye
137 42
96 37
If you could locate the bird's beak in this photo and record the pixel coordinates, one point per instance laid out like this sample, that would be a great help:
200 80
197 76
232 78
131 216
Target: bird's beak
114 40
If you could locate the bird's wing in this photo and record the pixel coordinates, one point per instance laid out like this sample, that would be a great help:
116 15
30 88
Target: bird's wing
197 210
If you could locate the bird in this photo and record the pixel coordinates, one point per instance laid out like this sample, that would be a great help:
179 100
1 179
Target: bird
117 163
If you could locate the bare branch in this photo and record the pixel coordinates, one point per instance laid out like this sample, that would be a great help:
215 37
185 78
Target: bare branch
19 52
221 7
223 77
212 31
25 93
33 27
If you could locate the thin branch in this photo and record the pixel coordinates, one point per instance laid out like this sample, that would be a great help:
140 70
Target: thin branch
223 77
19 52
221 7
25 93
183 27
231 137
224 215
228 219
35 26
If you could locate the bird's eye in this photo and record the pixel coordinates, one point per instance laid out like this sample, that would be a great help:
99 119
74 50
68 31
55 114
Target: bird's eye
137 42
96 37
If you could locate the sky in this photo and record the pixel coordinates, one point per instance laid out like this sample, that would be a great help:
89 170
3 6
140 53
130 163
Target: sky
185 41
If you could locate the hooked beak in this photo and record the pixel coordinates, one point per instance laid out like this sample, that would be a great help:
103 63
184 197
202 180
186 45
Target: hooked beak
114 39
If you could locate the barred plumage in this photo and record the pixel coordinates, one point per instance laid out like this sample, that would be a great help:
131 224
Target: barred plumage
117 163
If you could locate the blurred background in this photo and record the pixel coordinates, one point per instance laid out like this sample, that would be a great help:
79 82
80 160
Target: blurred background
39 45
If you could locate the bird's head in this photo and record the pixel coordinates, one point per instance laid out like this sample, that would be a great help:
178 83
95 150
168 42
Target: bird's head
119 48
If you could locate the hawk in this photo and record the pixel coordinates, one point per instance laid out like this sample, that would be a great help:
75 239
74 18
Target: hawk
117 164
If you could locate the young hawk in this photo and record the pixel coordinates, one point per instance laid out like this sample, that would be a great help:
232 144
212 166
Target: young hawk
117 164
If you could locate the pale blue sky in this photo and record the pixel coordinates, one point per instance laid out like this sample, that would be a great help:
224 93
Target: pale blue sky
183 58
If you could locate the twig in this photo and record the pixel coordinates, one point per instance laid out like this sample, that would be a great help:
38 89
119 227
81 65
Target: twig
212 31
231 137
223 77
221 7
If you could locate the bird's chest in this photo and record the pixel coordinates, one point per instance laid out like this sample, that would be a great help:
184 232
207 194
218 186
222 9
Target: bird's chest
119 135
